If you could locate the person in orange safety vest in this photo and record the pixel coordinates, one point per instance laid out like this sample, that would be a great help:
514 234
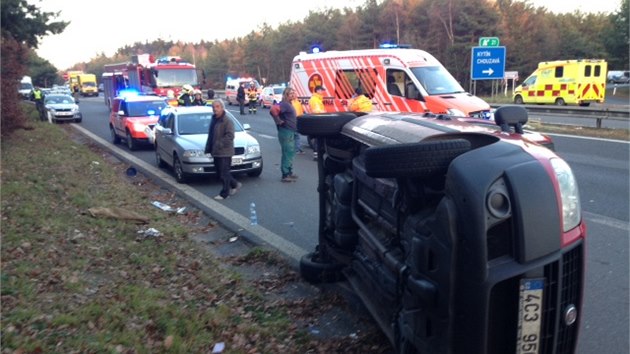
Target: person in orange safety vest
360 103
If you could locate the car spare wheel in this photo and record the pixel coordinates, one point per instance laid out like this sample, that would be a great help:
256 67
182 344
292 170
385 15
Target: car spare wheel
323 124
424 159
316 270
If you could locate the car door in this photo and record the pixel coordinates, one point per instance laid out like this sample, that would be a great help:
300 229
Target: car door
165 137
121 118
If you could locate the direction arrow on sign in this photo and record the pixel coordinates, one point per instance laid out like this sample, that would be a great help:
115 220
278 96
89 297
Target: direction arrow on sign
487 63
489 41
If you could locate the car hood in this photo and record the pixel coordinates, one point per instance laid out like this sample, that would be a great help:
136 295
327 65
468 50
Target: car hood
62 106
463 101
198 141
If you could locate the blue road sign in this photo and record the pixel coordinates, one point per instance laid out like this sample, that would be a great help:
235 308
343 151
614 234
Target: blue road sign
487 63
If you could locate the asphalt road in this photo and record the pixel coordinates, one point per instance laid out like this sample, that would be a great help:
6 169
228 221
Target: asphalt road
287 213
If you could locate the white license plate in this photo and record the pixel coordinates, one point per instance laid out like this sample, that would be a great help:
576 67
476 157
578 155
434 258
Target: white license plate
64 113
530 316
237 161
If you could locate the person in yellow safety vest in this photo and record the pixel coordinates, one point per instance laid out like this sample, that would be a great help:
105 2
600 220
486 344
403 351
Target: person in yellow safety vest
316 103
360 103
298 112
252 97
38 96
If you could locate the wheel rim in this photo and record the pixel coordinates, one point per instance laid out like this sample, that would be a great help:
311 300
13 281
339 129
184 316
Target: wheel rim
179 172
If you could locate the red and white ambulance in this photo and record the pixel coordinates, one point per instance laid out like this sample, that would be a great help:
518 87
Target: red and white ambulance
396 79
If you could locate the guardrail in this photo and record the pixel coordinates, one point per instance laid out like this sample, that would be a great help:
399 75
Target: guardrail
599 114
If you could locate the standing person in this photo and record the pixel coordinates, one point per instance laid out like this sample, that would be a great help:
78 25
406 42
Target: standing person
240 97
297 105
252 97
360 103
38 96
197 99
286 122
75 92
210 95
185 98
220 145
316 105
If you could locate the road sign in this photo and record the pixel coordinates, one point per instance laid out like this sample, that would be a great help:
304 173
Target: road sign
487 63
489 41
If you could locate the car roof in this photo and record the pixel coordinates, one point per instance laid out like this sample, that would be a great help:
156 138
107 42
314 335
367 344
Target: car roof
189 109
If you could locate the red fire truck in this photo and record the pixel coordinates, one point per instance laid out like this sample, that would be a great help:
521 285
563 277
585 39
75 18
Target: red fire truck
144 73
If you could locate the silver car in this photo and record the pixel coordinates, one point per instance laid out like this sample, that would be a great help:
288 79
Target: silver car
180 139
62 107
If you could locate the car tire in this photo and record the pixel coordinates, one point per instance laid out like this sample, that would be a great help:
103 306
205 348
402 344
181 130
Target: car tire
316 271
158 159
114 137
180 175
78 120
518 99
425 159
132 144
560 102
585 104
323 124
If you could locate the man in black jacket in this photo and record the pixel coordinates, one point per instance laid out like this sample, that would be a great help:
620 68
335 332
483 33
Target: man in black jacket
240 97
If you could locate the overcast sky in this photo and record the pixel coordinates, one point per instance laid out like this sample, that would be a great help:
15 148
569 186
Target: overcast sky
103 26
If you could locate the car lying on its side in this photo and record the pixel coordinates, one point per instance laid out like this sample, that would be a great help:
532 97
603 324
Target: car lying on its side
457 238
62 108
180 138
131 114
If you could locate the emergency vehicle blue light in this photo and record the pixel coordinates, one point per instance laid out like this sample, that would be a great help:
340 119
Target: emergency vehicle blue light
392 45
316 48
128 93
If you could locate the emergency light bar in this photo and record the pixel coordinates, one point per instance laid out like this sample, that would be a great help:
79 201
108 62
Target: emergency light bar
392 46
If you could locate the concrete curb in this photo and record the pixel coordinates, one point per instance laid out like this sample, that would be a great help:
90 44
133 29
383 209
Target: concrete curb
231 220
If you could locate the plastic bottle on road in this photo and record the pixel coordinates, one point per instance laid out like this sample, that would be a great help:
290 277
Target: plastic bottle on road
253 218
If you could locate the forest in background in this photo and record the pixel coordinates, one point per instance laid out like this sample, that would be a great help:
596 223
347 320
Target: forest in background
447 29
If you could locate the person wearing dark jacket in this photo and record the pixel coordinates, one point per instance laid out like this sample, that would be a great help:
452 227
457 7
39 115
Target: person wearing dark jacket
185 98
286 121
240 97
220 145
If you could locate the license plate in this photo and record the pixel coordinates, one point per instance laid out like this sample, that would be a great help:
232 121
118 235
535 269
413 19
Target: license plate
64 113
529 316
237 160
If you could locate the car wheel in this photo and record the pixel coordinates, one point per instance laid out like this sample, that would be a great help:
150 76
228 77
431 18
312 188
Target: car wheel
158 159
112 132
180 175
132 144
585 104
316 270
423 159
560 101
323 124
78 120
518 99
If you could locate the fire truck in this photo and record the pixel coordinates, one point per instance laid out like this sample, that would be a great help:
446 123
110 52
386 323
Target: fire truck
144 73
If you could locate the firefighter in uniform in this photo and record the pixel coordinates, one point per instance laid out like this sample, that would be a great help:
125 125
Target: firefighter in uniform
197 99
252 97
38 96
185 98
360 103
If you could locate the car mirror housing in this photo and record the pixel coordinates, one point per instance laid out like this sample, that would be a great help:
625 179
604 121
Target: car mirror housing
121 113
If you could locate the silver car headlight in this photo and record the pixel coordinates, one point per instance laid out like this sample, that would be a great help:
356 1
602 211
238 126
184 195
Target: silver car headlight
569 194
75 109
253 150
194 153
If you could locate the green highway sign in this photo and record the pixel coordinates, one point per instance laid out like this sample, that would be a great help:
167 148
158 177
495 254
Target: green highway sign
489 41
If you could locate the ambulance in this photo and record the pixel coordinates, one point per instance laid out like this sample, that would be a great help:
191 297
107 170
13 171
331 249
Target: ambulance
562 82
395 79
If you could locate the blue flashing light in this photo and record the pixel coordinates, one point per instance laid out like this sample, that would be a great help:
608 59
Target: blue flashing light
128 93
151 112
392 46
316 48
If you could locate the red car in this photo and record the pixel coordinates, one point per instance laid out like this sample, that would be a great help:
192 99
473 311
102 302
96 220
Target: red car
131 114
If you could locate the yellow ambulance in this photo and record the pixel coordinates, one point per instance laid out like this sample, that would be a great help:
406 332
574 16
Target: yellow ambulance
564 82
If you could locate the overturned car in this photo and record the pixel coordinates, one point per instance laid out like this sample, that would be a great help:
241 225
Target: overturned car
456 237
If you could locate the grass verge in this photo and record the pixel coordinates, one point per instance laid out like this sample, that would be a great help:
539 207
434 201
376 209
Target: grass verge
75 283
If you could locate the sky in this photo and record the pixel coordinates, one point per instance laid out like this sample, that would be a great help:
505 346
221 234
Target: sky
103 26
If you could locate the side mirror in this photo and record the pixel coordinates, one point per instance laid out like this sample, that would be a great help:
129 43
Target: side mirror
167 131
